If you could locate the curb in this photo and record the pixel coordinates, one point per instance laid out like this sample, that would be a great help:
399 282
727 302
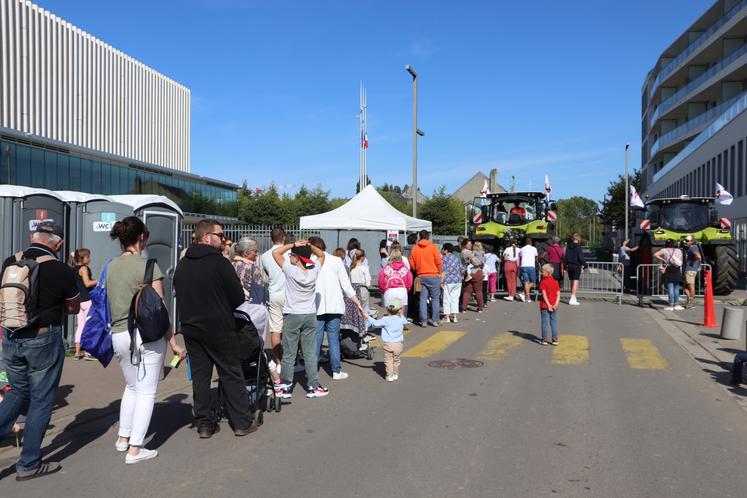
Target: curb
63 423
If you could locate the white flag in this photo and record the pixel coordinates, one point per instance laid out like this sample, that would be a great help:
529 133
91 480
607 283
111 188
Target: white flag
635 199
722 195
548 188
485 190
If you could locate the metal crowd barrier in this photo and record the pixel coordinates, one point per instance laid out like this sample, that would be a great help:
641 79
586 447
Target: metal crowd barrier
650 282
603 278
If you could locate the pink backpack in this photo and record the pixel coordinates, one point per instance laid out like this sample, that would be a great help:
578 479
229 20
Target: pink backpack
395 278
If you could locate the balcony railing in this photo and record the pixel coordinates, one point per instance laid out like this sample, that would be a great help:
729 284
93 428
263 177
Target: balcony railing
682 92
698 121
697 43
727 117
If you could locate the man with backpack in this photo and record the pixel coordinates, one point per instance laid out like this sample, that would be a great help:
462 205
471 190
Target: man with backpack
207 292
32 340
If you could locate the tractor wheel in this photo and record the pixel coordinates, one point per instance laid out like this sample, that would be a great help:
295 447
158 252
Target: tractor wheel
725 269
541 245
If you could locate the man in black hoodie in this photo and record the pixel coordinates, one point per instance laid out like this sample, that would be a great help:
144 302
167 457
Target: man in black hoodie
207 292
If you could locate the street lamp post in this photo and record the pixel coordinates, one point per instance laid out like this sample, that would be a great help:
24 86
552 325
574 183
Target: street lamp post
415 133
627 192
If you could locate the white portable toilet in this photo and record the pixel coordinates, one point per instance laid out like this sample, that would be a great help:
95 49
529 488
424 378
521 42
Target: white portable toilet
91 219
22 209
164 220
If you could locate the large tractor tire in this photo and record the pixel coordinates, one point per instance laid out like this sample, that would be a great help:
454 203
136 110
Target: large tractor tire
541 245
725 269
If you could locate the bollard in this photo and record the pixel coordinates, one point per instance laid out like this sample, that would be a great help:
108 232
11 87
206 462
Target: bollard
731 323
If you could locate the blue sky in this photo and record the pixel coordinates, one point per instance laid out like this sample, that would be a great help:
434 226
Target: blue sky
526 87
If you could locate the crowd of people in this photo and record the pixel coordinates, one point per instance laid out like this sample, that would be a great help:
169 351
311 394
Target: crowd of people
302 297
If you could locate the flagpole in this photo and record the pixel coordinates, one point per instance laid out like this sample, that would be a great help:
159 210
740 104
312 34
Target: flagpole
360 137
627 193
365 137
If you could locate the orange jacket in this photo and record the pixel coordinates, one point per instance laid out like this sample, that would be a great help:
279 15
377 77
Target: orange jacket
425 259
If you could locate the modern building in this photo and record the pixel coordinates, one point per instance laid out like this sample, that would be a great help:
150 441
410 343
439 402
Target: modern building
78 114
694 124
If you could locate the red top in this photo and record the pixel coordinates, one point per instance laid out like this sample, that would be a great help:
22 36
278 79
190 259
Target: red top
518 210
552 288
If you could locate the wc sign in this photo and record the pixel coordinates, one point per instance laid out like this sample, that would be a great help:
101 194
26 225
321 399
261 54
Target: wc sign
106 223
40 216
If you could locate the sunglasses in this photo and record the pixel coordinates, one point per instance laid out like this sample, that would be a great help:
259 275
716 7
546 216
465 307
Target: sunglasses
220 235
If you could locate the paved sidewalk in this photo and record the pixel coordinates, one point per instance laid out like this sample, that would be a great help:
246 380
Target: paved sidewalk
89 392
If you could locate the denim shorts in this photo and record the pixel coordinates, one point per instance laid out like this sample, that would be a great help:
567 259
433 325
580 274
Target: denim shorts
528 274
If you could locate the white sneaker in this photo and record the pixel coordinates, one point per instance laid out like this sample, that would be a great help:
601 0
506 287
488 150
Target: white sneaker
144 454
521 296
573 302
364 347
396 376
121 447
508 298
339 375
390 378
678 308
454 318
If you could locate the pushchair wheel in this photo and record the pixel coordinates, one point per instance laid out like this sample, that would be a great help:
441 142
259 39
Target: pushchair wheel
260 418
271 404
370 352
278 405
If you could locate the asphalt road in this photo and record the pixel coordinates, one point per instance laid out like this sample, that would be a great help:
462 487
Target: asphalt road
605 414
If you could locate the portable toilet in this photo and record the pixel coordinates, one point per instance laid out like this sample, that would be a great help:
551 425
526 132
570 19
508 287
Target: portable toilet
164 220
91 219
22 209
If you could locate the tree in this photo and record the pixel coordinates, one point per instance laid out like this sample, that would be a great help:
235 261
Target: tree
307 202
445 212
396 200
263 207
613 207
577 214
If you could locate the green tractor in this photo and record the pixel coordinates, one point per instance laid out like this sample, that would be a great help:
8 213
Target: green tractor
676 218
498 218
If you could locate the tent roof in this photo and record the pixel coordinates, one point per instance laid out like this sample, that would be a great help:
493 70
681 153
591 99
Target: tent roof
368 210
20 191
139 201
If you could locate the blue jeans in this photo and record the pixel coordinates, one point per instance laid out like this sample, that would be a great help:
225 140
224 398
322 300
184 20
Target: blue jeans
552 317
673 290
34 367
332 324
430 286
528 274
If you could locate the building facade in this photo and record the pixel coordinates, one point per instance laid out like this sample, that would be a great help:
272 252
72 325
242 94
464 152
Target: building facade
472 187
77 114
694 124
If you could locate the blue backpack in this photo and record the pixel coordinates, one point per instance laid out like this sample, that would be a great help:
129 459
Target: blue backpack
96 337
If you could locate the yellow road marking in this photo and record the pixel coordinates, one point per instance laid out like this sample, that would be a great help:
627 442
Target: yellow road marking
499 346
642 354
572 350
434 344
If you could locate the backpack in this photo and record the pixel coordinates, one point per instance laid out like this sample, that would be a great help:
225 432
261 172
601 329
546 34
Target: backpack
148 314
19 293
96 337
395 278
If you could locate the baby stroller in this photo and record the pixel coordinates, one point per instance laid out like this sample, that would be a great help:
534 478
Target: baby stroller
254 364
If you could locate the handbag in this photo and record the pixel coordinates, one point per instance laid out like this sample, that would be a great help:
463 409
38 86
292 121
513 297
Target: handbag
417 285
96 338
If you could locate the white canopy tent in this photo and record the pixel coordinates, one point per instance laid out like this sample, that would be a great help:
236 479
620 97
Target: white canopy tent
366 211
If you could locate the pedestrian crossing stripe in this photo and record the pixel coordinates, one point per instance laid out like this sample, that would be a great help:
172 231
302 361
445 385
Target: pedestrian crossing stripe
434 344
499 346
642 354
572 350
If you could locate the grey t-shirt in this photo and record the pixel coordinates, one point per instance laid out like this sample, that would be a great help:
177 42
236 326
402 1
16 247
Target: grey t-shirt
123 277
300 289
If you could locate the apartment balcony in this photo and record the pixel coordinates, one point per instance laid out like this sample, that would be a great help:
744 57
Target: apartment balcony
720 71
719 28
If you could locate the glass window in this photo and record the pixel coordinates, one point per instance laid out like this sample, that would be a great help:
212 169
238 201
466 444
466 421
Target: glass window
732 176
86 175
74 167
63 172
37 168
740 169
7 165
50 170
106 178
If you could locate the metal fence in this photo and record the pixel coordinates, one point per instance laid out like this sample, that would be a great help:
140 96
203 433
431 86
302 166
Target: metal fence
650 282
260 233
602 278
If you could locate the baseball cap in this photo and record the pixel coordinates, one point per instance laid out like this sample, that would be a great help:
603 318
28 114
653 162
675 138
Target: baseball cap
304 254
689 238
50 228
394 305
